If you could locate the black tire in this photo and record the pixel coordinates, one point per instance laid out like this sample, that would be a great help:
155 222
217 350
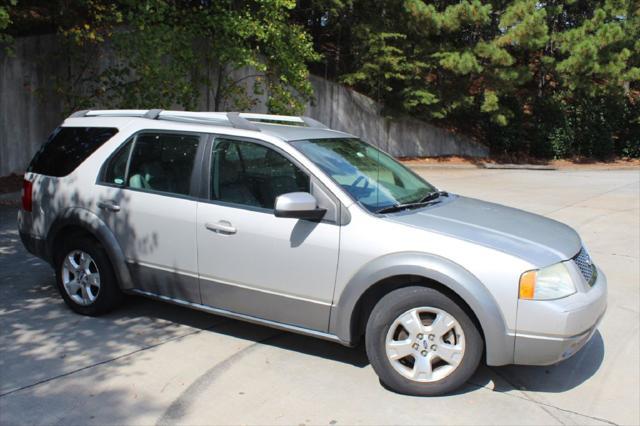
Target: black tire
109 295
391 307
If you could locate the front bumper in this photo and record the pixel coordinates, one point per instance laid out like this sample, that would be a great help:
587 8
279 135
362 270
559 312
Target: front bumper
552 331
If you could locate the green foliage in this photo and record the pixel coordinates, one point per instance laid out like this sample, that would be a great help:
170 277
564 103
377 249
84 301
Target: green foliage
188 54
546 78
550 78
383 63
523 25
461 63
600 49
5 21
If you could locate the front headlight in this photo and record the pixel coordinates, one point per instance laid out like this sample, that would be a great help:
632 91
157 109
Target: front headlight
552 282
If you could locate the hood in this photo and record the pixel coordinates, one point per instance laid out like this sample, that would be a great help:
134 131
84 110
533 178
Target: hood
534 238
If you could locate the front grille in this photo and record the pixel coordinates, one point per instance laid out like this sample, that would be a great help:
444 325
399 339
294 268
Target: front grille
586 266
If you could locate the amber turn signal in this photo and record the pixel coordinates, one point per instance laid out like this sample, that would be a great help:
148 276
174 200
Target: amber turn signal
528 285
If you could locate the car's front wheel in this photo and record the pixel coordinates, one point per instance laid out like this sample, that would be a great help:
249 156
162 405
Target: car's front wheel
421 342
85 277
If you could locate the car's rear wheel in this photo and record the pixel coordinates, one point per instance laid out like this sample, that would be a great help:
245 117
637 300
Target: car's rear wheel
85 278
421 342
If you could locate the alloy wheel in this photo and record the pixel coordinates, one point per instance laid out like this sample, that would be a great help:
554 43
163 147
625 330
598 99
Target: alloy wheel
425 344
80 277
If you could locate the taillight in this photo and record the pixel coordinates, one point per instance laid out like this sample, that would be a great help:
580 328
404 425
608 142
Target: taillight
27 195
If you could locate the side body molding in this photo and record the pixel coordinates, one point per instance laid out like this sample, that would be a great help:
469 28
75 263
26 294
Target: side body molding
95 226
498 341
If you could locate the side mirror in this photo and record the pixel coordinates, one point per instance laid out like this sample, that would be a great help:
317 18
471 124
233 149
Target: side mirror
298 205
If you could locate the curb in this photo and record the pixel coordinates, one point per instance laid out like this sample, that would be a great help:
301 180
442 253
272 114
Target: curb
10 198
11 195
495 166
471 166
442 166
517 166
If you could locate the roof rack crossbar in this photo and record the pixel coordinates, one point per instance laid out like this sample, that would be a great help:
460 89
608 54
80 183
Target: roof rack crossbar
240 122
313 123
152 114
81 113
193 120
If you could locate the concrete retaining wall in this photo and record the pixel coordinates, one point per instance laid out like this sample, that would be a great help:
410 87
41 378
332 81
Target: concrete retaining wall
344 109
29 110
28 113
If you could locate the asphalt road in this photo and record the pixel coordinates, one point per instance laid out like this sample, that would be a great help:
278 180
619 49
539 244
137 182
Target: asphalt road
153 363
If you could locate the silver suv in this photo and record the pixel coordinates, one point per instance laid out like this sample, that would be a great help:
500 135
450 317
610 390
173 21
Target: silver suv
281 221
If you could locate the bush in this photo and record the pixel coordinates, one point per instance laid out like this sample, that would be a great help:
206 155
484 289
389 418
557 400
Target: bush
588 127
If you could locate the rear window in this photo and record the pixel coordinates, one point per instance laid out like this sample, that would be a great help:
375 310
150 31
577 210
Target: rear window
67 148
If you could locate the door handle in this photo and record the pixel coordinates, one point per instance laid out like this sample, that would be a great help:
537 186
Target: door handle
109 206
222 227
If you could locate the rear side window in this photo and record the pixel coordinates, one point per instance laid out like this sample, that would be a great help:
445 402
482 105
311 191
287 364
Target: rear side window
67 148
163 162
117 167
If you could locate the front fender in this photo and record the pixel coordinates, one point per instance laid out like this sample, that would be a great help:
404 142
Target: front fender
499 343
95 226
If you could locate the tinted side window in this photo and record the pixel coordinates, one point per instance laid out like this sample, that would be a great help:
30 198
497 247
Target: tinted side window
163 162
67 148
252 174
117 167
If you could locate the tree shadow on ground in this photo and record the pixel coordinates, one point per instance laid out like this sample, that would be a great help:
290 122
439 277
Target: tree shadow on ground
42 339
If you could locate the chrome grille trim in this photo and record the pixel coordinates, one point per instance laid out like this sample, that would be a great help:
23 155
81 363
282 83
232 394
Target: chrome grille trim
586 266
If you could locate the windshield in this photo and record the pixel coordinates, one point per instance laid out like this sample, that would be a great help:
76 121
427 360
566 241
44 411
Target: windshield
372 177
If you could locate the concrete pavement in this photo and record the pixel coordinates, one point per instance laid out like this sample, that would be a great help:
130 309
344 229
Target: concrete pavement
154 363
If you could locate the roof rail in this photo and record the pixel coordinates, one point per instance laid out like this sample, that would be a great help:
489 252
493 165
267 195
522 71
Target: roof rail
239 120
282 119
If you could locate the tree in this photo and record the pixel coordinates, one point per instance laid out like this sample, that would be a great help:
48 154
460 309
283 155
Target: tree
183 53
184 48
523 76
537 78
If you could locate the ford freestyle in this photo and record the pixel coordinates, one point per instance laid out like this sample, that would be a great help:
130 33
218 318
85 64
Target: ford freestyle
280 221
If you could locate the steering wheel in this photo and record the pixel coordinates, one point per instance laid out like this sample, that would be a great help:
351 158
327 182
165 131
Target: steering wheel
358 180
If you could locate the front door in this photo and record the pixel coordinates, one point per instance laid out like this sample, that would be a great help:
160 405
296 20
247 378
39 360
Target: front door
250 261
146 199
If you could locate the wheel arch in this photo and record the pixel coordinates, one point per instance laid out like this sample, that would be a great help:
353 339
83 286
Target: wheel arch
79 220
390 272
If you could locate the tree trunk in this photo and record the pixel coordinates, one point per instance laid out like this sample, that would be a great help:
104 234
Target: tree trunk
218 98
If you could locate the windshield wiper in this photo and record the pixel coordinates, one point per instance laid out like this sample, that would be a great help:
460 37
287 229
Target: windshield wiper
397 207
433 195
422 202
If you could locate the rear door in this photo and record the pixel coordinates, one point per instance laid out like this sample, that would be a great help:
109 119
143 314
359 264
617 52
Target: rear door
250 261
147 197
